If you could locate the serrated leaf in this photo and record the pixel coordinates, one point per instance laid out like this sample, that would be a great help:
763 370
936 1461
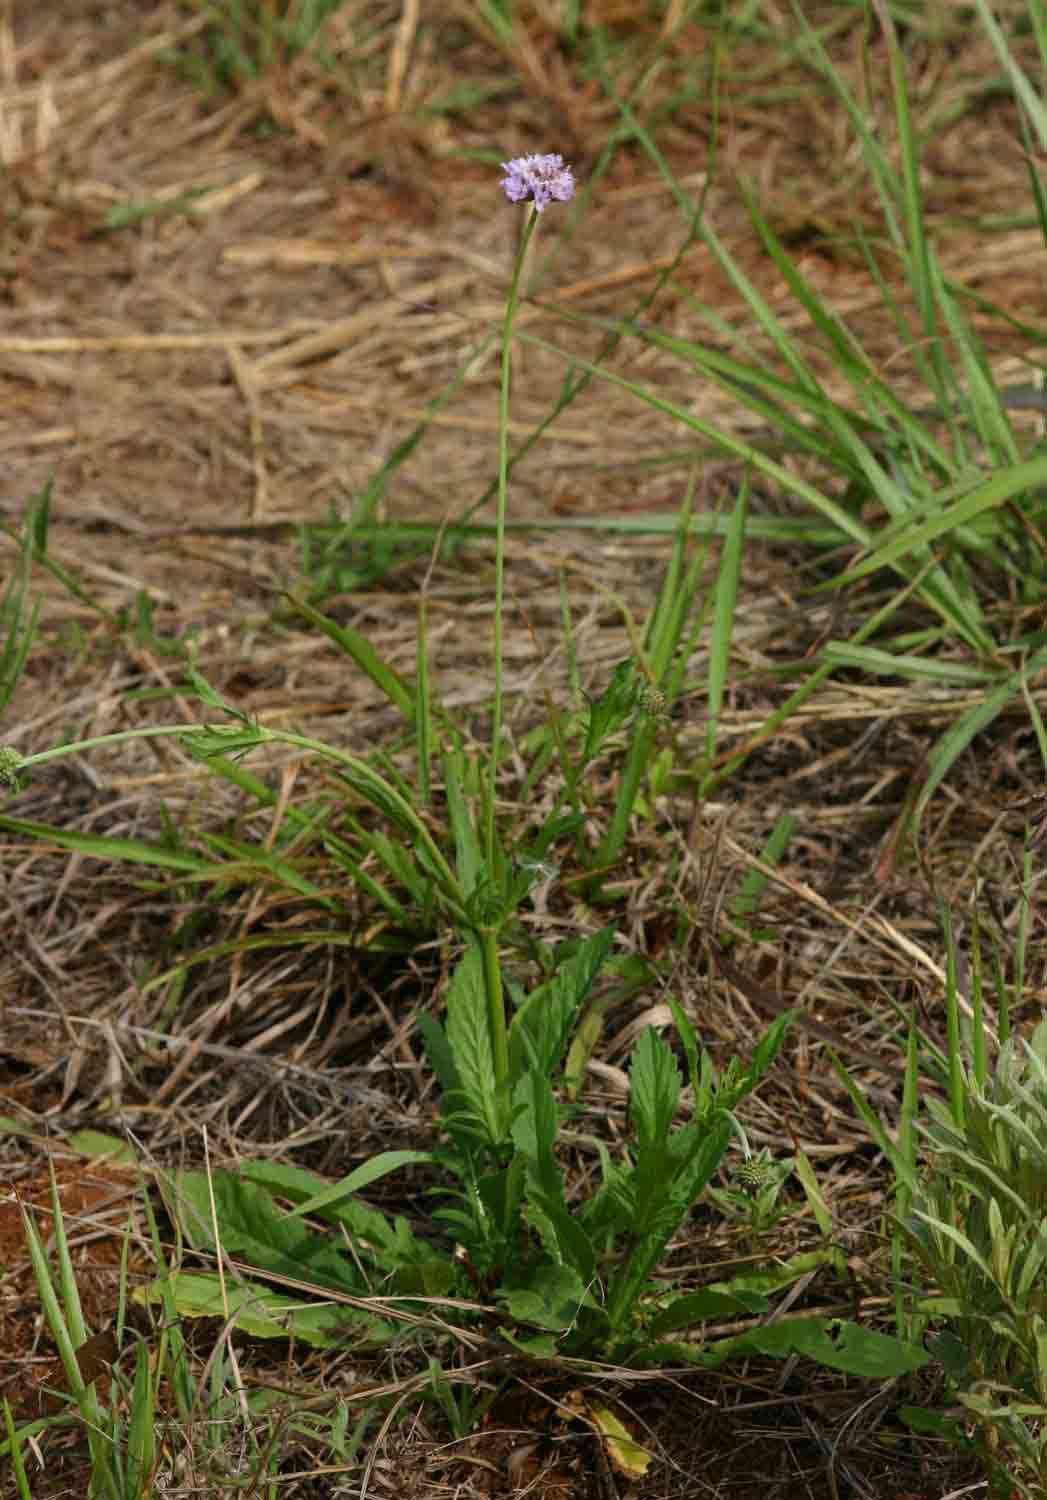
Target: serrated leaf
534 1135
534 1127
469 1039
701 1161
437 1050
613 709
538 1033
583 1044
654 1090
219 739
689 1041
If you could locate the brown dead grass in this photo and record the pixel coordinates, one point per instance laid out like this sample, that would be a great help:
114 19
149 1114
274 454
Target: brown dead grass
202 380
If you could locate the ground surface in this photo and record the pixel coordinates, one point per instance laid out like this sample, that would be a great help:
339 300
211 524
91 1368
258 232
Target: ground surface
221 313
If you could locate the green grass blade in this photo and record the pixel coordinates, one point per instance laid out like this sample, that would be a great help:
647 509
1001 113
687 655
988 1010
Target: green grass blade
14 1453
953 1049
727 583
1031 102
16 628
958 736
423 705
141 1437
879 663
364 655
69 1332
746 904
838 516
1001 487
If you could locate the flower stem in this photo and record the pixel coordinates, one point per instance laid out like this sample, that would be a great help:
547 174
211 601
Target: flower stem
488 936
499 548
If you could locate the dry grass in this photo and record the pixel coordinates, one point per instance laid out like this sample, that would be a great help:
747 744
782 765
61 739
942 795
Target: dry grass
234 363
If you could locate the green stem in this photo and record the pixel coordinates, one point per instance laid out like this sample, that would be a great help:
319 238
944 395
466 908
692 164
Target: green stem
25 761
489 938
499 550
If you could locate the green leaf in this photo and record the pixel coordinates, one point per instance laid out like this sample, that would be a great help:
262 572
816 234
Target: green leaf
767 1049
587 1034
364 655
952 1352
534 1135
897 664
211 740
689 1041
535 1345
706 1146
389 1242
213 698
112 850
697 1307
615 707
654 1090
812 1189
534 1127
470 865
254 860
370 1171
959 1238
469 1039
538 1032
551 1300
746 904
260 1312
661 1204
854 1351
251 1226
437 1050
723 622
101 1147
960 734
1005 484
920 1419
776 1277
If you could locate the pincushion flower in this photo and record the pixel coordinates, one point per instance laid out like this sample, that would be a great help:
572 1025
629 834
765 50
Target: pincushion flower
543 179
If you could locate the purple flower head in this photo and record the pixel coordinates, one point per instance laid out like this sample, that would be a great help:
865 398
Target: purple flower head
541 178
